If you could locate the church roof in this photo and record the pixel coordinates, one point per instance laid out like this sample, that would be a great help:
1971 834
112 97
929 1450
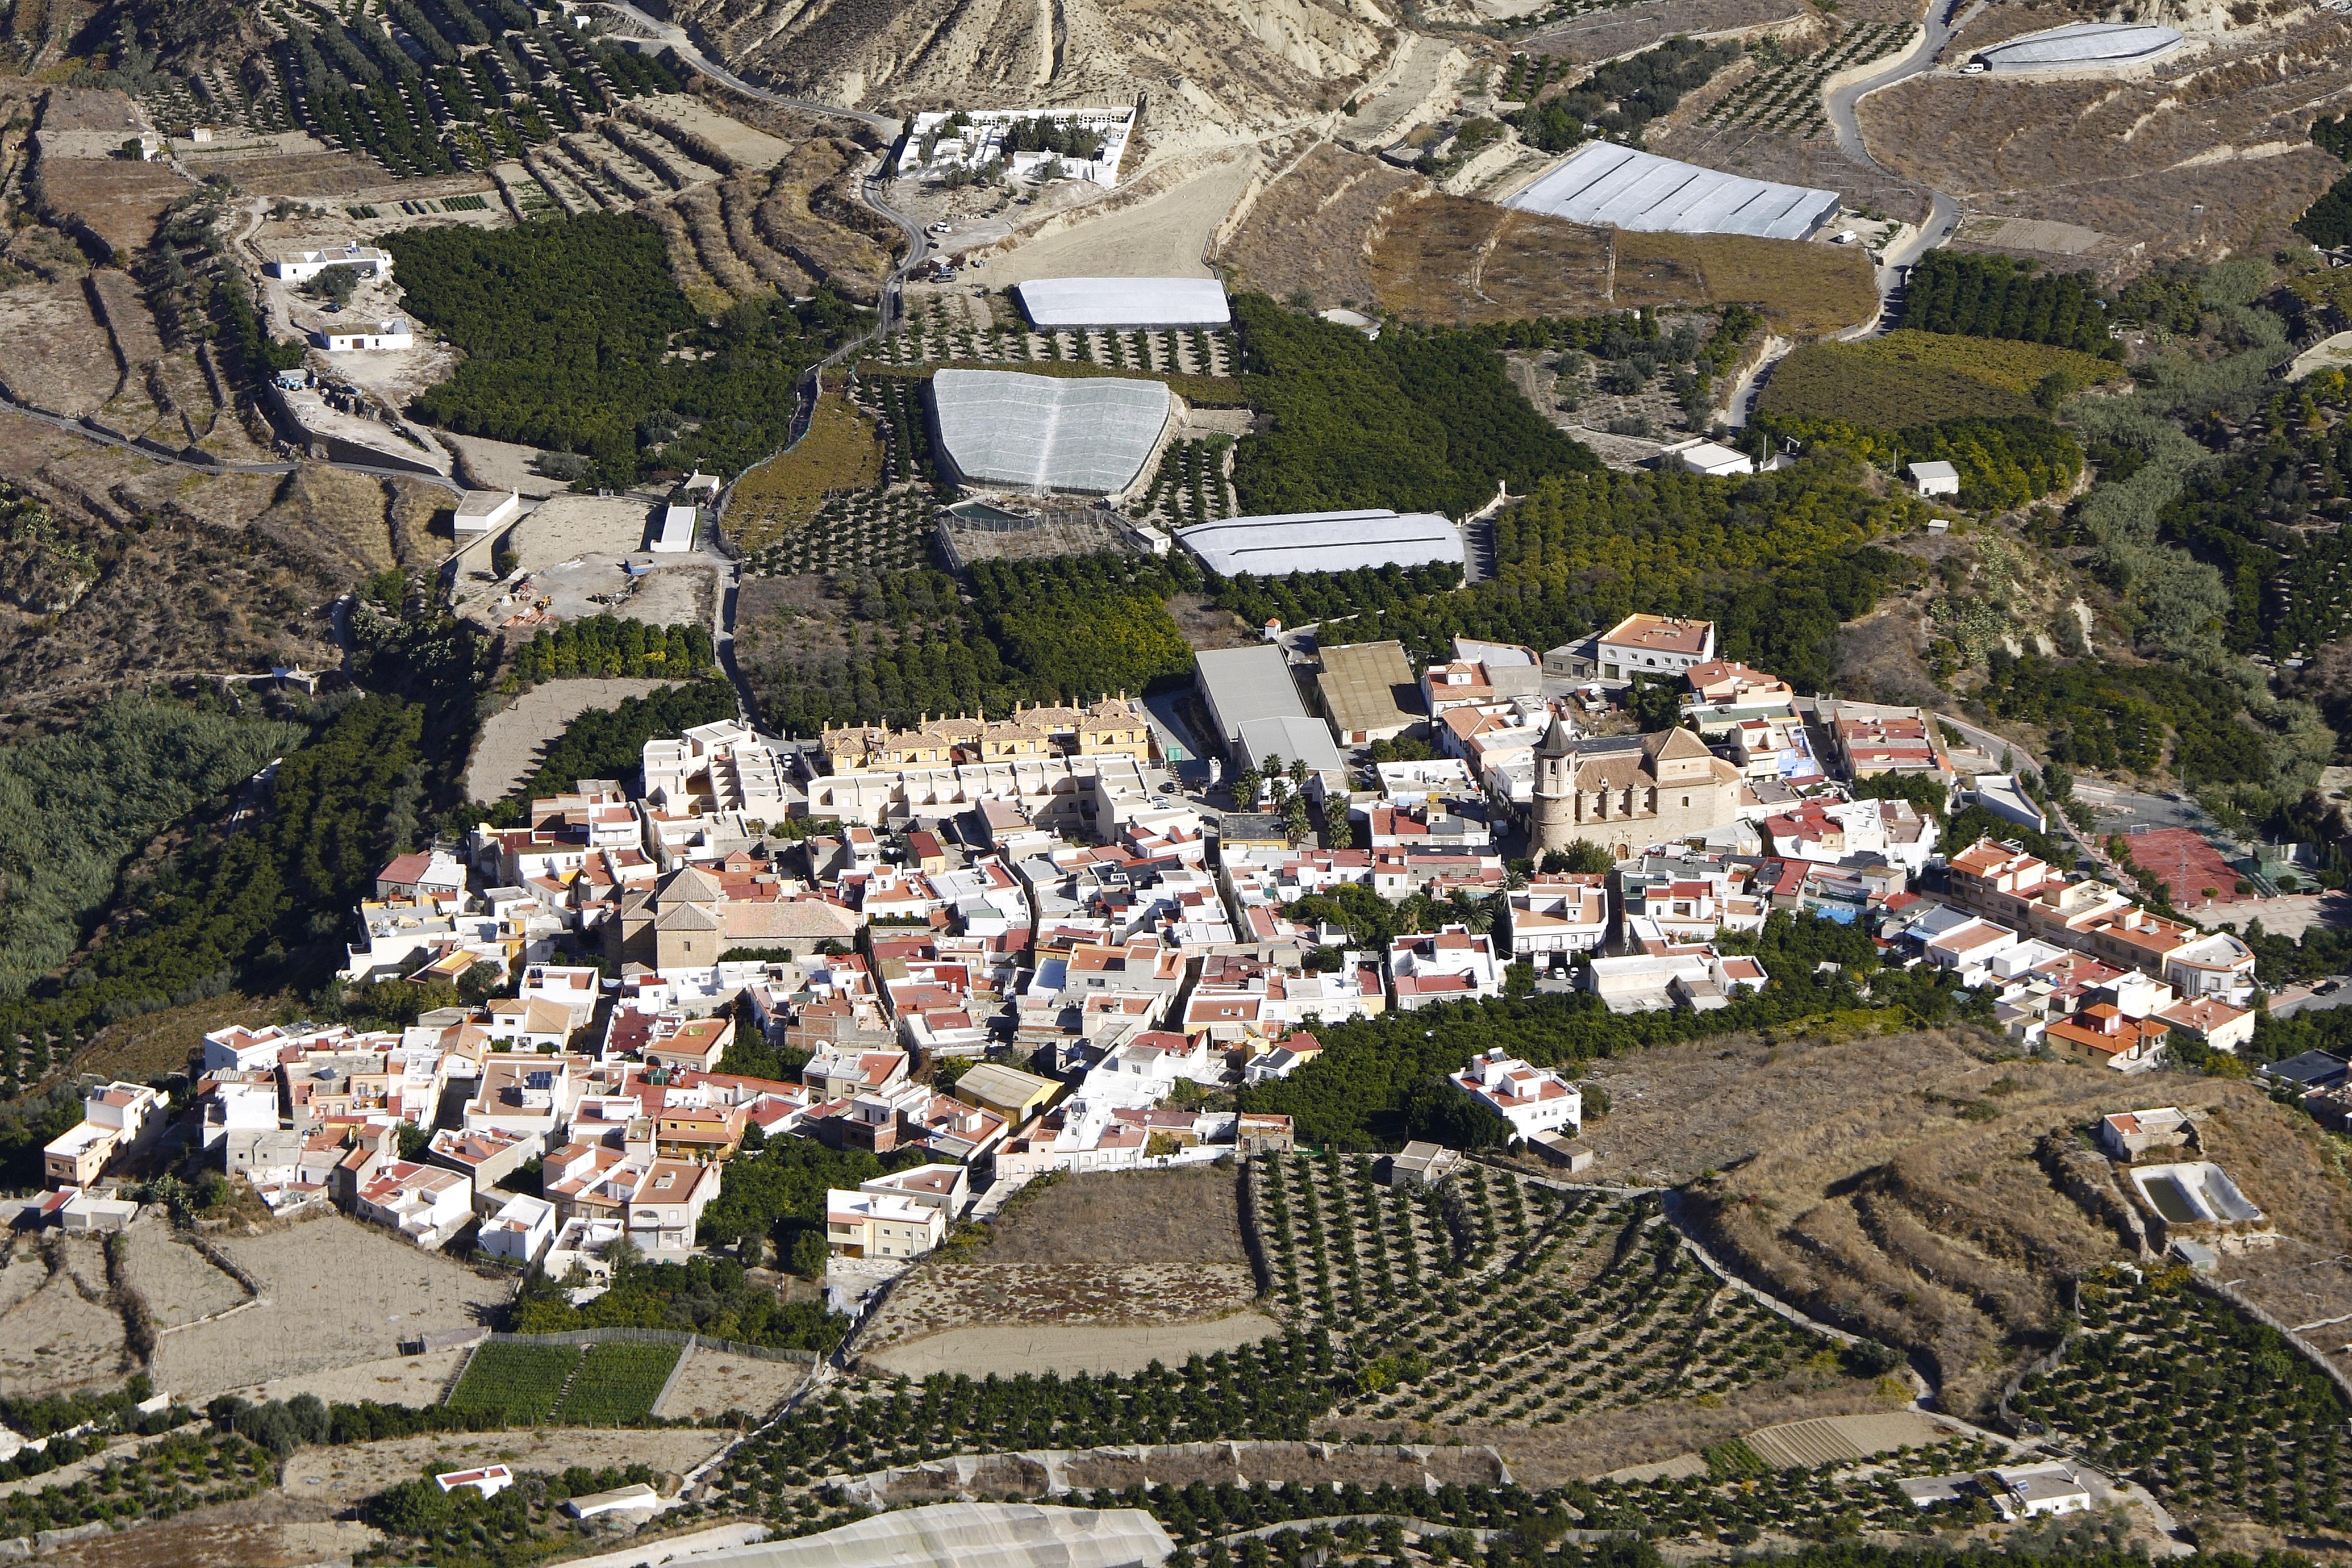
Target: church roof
692 885
1555 742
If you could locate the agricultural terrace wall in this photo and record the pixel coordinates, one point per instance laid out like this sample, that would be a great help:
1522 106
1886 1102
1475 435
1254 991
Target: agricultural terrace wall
652 1337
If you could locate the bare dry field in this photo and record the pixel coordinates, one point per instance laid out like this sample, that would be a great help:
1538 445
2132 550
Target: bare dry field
338 1293
1349 229
58 357
1587 1446
514 738
1793 160
61 1333
1188 1214
120 201
345 1476
181 1284
1167 236
1103 1272
1606 34
2209 152
1436 257
1306 230
948 1296
219 1538
712 1383
393 1379
1009 1350
487 465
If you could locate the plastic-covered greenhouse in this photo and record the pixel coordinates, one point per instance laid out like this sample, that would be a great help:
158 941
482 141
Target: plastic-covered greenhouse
969 1535
1322 542
1088 437
1054 302
1602 182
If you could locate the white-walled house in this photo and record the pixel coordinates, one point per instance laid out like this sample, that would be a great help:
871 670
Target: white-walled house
1448 965
1555 915
354 336
302 266
521 1229
1535 1100
425 1203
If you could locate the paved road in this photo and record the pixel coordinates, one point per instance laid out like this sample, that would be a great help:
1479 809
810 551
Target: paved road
1944 212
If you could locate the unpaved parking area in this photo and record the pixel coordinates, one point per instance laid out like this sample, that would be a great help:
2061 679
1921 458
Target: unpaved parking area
1023 1348
575 553
339 1478
714 1382
513 738
337 1293
394 1380
563 526
1167 236
181 1284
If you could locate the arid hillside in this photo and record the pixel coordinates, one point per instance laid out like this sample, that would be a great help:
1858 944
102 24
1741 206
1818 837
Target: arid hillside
1934 1191
2210 154
1209 70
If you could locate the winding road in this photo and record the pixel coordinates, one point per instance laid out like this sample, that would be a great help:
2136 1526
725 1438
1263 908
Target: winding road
1943 211
891 303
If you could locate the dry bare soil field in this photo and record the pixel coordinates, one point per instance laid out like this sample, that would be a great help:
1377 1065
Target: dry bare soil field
338 1294
1103 1272
1350 230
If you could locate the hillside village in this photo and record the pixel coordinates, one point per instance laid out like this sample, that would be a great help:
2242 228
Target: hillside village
1554 785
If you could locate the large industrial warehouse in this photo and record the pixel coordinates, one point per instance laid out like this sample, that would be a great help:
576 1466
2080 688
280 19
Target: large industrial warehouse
1602 182
2085 46
1272 545
1002 430
1076 303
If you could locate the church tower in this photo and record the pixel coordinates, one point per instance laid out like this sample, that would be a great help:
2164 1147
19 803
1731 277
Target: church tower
1555 790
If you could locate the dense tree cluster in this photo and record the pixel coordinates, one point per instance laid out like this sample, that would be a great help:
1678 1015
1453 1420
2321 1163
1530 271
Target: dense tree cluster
611 645
1066 628
1425 421
2107 716
72 806
711 1296
577 338
2002 462
1643 87
2268 517
2328 221
1997 297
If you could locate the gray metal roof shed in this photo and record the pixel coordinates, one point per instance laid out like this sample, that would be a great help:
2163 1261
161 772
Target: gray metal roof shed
1239 684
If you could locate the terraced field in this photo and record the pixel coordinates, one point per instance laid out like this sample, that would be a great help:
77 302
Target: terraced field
2208 1409
1784 95
1496 1300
